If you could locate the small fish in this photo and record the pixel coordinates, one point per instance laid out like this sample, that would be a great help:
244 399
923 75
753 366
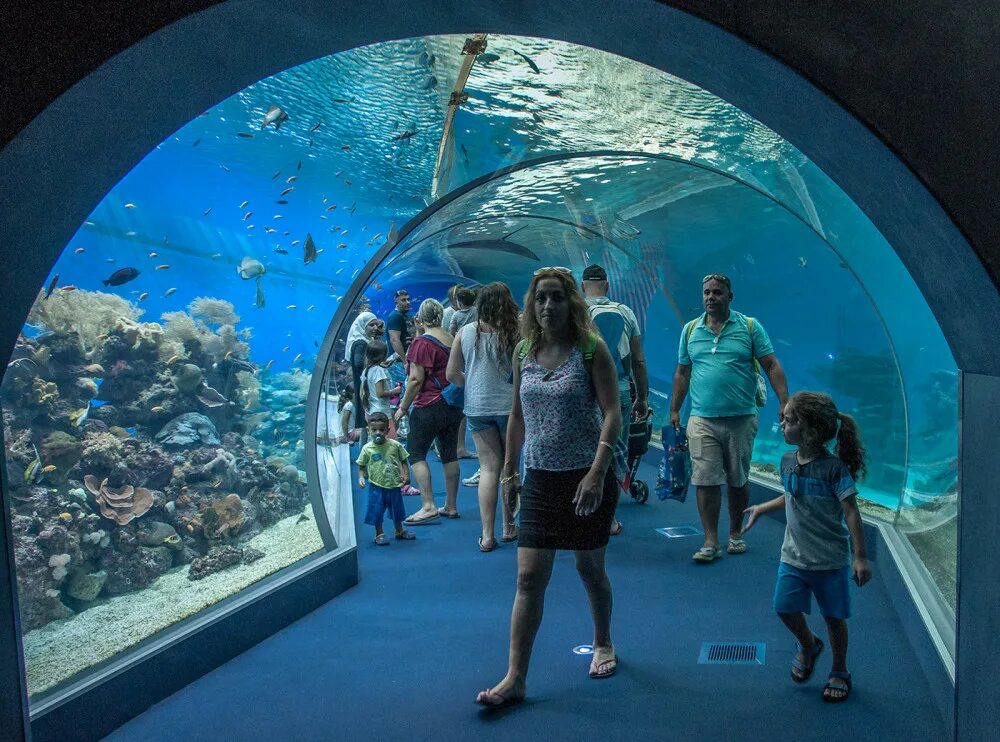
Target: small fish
285 349
247 215
276 174
67 288
129 206
295 242
267 366
121 276
291 306
224 168
429 82
79 417
143 296
802 262
259 300
353 208
287 191
196 142
169 292
346 181
310 308
216 483
315 127
291 178
281 251
157 410
52 286
131 233
279 216
531 64
331 207
244 135
207 211
49 469
79 251
109 260
244 204
163 267
346 148
297 358
274 116
405 135
299 166
309 254
94 368
342 100
216 255
342 246
376 235
153 254
281 201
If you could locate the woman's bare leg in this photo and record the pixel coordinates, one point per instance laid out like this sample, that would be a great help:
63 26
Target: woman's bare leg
490 447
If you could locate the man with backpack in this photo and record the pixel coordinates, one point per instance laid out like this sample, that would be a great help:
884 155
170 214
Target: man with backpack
720 359
620 330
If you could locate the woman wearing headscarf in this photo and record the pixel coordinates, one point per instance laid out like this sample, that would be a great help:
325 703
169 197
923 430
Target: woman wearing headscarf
365 328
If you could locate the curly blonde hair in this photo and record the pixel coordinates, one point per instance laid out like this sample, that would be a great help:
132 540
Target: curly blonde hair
580 324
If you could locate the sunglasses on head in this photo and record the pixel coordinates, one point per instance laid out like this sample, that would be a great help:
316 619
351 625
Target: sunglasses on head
400 292
557 268
717 277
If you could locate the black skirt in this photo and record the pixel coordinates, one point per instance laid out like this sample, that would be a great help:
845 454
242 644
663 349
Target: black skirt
548 517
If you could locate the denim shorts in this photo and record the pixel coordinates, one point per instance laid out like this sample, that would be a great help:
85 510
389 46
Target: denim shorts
795 587
480 423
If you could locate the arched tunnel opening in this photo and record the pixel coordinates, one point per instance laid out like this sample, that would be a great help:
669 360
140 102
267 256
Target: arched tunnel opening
183 357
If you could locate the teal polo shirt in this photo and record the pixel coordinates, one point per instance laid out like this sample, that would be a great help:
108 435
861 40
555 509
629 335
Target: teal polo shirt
723 382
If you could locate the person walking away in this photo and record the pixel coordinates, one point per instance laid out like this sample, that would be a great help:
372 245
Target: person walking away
716 363
432 417
822 528
480 361
620 330
382 463
566 416
465 314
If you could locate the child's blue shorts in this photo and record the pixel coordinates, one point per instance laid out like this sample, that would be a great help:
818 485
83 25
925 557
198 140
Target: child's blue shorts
382 500
795 587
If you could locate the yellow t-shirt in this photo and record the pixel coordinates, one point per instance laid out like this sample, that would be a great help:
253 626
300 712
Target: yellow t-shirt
382 462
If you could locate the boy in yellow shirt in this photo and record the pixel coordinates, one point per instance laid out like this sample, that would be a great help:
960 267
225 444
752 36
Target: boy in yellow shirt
383 463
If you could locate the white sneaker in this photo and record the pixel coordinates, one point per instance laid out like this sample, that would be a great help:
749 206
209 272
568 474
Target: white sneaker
472 481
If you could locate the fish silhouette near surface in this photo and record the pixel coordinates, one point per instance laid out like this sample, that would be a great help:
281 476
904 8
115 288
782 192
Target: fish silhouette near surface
274 116
408 134
259 301
52 286
121 276
250 268
526 58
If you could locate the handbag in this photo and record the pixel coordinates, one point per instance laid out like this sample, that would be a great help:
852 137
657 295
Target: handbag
452 394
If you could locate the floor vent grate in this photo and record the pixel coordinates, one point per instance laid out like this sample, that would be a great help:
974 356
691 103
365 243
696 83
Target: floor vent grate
732 653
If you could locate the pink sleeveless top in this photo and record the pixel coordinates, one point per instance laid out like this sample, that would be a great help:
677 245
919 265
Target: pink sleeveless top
562 420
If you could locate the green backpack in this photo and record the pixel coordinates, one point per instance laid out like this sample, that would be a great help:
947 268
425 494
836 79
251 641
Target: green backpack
760 397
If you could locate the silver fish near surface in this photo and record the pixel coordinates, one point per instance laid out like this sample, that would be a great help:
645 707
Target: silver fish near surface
250 268
274 116
169 292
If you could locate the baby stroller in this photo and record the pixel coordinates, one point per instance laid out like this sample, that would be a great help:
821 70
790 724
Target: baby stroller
639 433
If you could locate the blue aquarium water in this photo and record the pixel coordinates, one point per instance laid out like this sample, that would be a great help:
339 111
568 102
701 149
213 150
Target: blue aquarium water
155 405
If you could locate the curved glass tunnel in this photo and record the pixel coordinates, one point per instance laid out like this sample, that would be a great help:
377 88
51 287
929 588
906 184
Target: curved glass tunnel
156 406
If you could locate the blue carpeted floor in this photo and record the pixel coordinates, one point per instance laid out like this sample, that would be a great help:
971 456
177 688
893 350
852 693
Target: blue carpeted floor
401 656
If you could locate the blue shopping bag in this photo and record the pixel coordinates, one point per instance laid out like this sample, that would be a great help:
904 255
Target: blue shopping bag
675 467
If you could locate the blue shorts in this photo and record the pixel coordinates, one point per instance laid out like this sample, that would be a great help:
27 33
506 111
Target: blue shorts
480 423
382 500
794 588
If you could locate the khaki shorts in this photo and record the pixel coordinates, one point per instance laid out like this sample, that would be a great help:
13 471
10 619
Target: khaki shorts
720 449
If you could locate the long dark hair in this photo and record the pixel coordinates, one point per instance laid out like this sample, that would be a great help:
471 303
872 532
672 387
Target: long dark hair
375 353
496 307
819 416
580 325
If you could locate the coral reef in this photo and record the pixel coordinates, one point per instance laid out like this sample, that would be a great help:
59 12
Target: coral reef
120 505
222 557
86 315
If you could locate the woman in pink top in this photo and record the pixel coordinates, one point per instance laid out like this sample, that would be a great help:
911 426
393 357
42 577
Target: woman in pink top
566 416
432 417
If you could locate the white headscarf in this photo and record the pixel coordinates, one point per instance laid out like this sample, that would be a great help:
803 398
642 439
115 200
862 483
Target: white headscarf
359 331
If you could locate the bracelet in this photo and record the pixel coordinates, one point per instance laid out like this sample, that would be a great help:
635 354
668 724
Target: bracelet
605 443
515 475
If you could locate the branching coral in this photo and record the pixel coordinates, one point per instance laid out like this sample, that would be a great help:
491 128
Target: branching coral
213 311
88 313
296 381
248 390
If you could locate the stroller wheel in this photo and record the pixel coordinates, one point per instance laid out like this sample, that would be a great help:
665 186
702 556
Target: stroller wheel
639 491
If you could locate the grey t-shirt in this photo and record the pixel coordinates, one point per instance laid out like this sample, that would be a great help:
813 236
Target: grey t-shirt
816 535
488 386
461 318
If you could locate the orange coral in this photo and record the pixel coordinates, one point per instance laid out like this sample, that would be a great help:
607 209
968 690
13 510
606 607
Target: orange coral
121 504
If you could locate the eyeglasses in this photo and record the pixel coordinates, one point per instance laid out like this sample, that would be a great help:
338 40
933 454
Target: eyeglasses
717 277
559 268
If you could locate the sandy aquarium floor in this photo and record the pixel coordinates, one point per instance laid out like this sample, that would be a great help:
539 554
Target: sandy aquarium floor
62 649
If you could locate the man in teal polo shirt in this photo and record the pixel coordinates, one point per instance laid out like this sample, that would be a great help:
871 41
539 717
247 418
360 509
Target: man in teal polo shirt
715 362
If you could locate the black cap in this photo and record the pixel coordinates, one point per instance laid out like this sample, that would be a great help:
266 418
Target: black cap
594 273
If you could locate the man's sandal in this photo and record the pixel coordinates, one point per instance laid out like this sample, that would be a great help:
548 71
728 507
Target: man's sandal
806 671
844 689
736 546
